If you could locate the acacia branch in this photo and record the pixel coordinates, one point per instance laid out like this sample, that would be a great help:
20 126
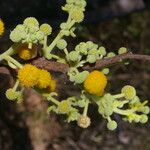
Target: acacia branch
118 58
60 67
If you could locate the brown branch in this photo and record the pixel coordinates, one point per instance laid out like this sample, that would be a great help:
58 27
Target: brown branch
50 65
60 67
118 58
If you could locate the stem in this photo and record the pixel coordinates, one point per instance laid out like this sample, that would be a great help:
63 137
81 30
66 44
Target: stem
16 85
81 63
71 24
108 118
66 51
119 95
53 100
55 56
123 112
30 45
10 51
86 108
9 58
45 42
48 49
52 45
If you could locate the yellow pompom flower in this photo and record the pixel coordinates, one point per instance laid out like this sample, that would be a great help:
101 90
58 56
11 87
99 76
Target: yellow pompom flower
44 79
1 27
52 86
28 75
95 83
25 53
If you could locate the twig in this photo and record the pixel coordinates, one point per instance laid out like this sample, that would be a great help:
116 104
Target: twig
60 67
50 65
108 61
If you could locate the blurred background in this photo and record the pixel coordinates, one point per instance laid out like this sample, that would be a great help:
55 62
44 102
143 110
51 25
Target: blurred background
111 23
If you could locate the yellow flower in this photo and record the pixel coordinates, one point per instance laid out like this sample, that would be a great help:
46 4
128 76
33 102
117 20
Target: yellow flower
95 83
52 86
25 53
44 79
28 75
1 27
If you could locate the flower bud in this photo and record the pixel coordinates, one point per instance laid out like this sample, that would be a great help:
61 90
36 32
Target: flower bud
46 28
83 121
122 50
73 56
11 94
129 92
143 119
62 44
91 59
112 125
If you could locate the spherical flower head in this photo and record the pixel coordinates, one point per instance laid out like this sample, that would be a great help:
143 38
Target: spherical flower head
122 50
84 121
39 35
44 79
52 86
2 28
146 110
20 27
25 53
111 54
95 83
31 20
129 92
143 119
46 28
64 107
77 15
15 36
112 125
73 56
91 59
11 94
28 75
102 51
62 44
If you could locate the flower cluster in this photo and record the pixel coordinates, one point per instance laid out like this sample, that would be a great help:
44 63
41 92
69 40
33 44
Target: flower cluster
30 37
75 8
31 76
30 32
